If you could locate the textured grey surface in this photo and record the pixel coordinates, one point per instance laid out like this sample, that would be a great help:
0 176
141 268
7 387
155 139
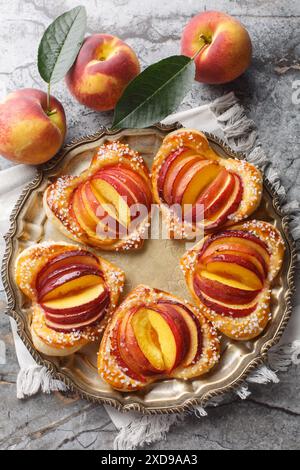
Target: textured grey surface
270 418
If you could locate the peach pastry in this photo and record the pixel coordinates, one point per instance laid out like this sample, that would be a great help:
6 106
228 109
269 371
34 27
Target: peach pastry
108 205
230 276
152 336
72 293
208 191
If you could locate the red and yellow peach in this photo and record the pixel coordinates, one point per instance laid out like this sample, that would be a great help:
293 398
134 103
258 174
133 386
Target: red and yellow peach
103 68
29 131
226 47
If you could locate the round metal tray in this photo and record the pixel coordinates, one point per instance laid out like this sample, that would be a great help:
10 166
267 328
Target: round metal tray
156 265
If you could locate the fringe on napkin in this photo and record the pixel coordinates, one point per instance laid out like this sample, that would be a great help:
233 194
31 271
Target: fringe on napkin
146 430
37 378
241 135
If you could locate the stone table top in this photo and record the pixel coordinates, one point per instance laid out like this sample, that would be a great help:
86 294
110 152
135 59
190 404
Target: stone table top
270 418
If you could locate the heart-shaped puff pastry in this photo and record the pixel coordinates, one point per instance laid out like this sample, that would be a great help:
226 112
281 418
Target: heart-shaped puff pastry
72 294
153 336
230 275
209 191
108 205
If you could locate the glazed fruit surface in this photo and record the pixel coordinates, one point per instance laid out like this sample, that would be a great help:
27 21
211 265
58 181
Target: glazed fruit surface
72 291
231 273
210 191
154 335
72 294
108 205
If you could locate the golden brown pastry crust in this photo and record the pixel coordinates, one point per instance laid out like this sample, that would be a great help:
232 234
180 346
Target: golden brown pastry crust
58 197
251 177
251 326
115 374
47 340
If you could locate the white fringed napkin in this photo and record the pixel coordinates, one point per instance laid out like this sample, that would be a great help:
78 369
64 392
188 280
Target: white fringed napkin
226 118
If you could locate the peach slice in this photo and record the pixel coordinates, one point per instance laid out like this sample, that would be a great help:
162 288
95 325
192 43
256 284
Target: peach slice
116 352
179 328
203 177
216 194
195 349
227 281
71 281
237 269
77 325
236 249
177 170
134 183
75 299
232 310
68 258
182 152
130 350
256 261
82 216
166 338
55 309
111 200
230 207
147 338
106 224
214 287
120 187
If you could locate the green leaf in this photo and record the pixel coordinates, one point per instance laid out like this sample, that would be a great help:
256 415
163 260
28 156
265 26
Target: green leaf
60 44
155 93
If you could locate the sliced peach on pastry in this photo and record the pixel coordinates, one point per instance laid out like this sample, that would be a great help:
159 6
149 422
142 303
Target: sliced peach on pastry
147 339
203 176
68 258
75 299
232 292
115 350
230 207
179 329
130 350
181 152
82 216
195 348
89 300
71 281
177 170
107 226
134 183
239 249
217 193
222 308
107 192
166 339
76 326
236 268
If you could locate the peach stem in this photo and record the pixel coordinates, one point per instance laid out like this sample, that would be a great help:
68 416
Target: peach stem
49 111
202 47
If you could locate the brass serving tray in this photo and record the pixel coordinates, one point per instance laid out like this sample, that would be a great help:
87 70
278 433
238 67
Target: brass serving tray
156 265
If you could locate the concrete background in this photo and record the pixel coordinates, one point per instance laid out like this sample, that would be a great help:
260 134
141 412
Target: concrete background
270 418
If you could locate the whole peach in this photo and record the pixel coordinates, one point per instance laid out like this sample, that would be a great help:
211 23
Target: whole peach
227 48
28 132
103 68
